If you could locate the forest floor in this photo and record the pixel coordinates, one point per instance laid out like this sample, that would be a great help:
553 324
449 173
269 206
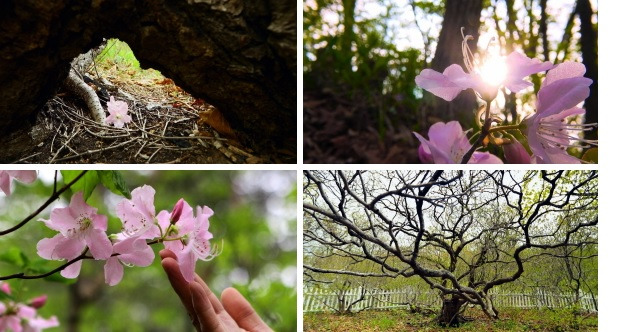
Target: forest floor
168 125
338 130
403 320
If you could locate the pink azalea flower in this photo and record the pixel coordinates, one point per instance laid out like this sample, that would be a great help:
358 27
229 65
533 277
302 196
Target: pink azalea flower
22 176
79 227
118 113
547 132
193 234
515 153
19 317
130 251
138 214
447 144
453 80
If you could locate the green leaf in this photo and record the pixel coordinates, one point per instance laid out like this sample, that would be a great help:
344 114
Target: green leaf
85 184
591 155
114 181
14 256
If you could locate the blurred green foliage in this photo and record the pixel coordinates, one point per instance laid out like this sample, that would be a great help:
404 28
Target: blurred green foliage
118 52
254 223
366 65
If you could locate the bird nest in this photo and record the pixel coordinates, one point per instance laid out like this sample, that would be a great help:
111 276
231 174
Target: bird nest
168 126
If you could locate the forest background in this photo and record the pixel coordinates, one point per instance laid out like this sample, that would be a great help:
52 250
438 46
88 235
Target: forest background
360 58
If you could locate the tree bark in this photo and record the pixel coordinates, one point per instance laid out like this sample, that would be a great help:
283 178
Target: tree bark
238 55
543 28
458 13
589 52
450 312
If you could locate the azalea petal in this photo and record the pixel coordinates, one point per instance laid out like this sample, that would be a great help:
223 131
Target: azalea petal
39 323
26 312
561 95
5 182
24 176
135 251
520 66
443 135
62 220
143 257
99 244
113 271
59 247
72 271
484 158
79 208
563 71
439 84
439 156
187 263
424 153
13 323
144 200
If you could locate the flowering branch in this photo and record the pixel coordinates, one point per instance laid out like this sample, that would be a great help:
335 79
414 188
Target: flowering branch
21 275
53 197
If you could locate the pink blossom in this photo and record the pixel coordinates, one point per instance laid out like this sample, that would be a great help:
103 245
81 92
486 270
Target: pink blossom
118 113
138 214
23 176
19 317
129 251
193 237
447 144
79 227
453 80
548 133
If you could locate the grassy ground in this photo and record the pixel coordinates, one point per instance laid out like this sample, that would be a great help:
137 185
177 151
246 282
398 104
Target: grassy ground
403 320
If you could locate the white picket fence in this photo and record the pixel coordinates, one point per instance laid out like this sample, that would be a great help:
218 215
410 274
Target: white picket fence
319 300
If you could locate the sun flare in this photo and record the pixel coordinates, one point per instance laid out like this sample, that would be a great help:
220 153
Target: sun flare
493 71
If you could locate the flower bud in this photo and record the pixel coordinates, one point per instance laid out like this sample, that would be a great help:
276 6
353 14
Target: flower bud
5 288
176 212
38 301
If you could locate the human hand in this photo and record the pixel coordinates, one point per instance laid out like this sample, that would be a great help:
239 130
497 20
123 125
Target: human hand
233 313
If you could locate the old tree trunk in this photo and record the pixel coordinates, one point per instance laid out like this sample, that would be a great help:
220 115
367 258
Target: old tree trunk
238 55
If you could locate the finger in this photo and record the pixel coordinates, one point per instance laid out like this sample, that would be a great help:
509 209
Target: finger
215 302
241 311
167 253
204 309
180 286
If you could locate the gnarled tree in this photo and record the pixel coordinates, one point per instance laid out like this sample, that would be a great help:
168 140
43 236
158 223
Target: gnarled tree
463 233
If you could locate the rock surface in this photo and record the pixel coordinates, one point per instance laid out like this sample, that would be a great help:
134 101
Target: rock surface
238 55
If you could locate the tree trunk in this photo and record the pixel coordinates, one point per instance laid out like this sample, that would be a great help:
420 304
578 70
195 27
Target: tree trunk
238 55
450 311
458 13
589 52
543 28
